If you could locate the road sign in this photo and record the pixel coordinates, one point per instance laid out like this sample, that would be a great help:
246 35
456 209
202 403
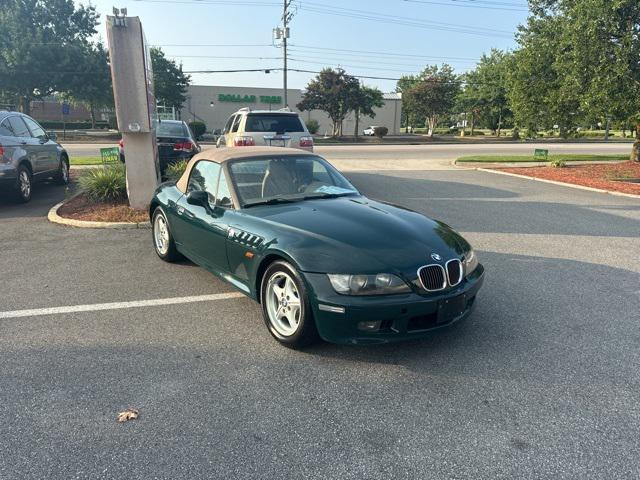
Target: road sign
66 109
541 154
110 155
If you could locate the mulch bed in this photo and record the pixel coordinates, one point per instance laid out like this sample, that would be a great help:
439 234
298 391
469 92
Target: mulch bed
82 208
597 176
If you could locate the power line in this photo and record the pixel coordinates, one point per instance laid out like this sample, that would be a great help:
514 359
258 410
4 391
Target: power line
366 59
377 54
507 7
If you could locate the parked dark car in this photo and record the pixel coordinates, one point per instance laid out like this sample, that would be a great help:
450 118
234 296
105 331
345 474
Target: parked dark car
28 154
288 230
175 142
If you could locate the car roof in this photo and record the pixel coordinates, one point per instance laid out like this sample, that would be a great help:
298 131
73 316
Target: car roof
222 155
269 112
6 113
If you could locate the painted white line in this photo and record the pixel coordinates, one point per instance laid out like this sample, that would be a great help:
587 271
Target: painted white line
118 305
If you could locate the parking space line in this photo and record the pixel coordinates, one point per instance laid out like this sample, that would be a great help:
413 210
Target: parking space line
118 305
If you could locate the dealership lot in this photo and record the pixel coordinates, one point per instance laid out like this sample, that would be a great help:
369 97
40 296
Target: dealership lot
542 381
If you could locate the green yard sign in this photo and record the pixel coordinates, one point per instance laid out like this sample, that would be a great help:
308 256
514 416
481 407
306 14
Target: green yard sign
110 155
541 154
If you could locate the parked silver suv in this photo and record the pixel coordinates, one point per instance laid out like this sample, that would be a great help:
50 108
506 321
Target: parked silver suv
28 154
271 128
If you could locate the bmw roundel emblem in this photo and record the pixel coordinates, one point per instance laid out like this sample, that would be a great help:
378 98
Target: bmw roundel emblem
436 257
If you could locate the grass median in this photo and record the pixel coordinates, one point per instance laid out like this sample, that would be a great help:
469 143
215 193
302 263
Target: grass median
567 157
85 160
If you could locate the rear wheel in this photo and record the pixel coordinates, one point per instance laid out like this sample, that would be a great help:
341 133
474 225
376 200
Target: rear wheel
62 177
285 306
163 242
24 184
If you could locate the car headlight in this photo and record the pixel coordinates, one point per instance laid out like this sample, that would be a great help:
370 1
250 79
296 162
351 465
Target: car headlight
380 284
469 262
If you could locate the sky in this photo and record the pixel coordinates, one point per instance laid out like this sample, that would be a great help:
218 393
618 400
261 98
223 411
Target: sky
376 38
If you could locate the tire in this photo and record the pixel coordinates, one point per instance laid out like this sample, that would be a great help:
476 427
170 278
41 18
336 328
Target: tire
163 242
286 311
24 185
62 177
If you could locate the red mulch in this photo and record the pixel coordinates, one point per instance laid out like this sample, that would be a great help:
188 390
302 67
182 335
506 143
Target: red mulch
596 176
81 208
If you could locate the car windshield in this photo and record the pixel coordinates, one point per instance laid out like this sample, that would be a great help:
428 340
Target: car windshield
277 123
287 179
164 129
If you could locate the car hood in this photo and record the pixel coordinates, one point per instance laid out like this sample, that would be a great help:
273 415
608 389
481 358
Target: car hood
358 235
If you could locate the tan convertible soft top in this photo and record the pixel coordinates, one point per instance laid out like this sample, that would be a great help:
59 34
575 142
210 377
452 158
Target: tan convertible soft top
221 155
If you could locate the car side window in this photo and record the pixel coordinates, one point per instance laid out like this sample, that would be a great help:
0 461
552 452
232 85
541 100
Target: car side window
236 123
224 193
227 127
36 130
5 129
204 177
18 126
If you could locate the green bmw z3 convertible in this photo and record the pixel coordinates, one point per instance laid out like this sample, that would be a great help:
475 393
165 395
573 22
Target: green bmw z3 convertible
325 262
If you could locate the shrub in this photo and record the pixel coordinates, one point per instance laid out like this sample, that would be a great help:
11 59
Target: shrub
58 125
313 126
557 163
175 170
104 184
380 132
198 129
478 132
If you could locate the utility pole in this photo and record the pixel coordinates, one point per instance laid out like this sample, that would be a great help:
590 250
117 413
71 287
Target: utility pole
285 35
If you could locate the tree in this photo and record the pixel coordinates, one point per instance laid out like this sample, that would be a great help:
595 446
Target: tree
169 82
367 98
334 92
405 83
93 90
592 48
485 92
433 95
41 45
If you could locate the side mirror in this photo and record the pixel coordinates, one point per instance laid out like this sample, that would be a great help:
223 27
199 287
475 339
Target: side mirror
52 136
198 197
220 141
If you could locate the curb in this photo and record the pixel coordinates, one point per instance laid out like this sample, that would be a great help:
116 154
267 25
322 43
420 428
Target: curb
53 217
562 184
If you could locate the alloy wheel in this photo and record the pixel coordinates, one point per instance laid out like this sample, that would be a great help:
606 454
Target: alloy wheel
161 234
284 306
25 184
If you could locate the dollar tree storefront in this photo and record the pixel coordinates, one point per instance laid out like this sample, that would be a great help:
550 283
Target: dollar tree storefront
214 104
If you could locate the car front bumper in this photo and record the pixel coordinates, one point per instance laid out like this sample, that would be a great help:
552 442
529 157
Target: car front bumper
389 318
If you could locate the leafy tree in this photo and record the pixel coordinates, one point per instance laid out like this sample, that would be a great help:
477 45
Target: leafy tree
485 92
93 90
169 82
409 116
334 92
41 45
433 95
589 50
367 98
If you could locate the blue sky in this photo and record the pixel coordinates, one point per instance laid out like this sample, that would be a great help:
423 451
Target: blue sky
417 29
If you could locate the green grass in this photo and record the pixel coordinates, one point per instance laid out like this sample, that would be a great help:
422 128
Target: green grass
567 157
85 161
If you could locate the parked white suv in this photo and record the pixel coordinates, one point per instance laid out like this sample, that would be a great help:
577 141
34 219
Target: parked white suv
275 128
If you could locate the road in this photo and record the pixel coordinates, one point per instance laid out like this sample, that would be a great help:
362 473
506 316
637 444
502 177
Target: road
541 382
411 157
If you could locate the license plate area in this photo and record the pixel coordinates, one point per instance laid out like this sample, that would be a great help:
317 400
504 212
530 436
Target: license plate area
276 140
451 308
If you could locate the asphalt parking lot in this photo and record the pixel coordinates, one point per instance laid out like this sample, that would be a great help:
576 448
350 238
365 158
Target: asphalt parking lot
542 381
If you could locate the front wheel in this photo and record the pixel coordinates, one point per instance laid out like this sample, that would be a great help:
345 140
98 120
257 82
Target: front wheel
285 306
163 242
62 177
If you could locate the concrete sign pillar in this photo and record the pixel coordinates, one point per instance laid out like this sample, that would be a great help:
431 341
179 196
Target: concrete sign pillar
135 103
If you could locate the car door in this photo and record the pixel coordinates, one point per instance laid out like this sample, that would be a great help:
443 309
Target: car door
47 149
25 141
202 230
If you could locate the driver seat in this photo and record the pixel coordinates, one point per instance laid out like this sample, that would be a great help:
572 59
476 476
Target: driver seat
279 179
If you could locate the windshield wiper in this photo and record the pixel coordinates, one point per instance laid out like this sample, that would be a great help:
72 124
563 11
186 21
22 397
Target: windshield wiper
327 195
271 201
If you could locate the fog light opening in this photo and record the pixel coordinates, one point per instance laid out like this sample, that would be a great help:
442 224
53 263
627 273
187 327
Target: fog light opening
369 326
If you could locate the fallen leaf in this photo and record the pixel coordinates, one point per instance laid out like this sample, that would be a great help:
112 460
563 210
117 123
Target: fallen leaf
128 414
